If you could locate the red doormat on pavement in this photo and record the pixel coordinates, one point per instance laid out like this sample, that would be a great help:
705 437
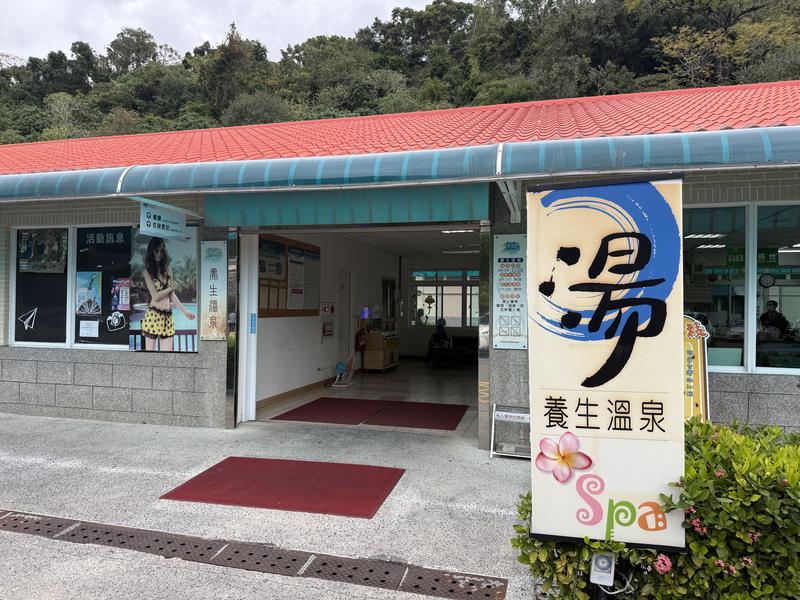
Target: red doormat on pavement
296 485
422 415
342 411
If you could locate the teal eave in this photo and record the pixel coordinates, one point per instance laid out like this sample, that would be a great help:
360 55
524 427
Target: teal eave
757 147
387 205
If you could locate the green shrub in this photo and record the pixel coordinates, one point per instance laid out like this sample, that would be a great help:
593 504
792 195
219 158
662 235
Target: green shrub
741 499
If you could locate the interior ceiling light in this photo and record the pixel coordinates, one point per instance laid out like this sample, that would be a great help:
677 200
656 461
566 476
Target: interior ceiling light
460 251
710 246
704 236
789 250
458 231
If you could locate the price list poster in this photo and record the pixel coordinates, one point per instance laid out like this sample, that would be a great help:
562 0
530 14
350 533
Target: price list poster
510 313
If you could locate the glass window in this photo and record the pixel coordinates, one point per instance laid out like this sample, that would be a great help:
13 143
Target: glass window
424 303
451 305
451 295
102 285
777 305
40 294
714 279
95 296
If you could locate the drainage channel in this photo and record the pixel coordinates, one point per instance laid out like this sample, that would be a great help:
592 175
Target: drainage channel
264 558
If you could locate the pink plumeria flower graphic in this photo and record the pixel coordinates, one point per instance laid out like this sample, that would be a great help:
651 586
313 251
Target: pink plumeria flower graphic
562 458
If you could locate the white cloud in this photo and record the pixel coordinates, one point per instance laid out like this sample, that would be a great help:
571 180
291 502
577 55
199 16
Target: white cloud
35 27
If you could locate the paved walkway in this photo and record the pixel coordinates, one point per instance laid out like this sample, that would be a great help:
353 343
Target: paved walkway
453 508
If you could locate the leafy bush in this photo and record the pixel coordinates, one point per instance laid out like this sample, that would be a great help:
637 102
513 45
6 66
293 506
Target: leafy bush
741 499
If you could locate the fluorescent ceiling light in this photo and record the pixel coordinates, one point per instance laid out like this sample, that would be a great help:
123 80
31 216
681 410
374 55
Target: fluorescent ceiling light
710 246
789 250
460 251
704 236
458 231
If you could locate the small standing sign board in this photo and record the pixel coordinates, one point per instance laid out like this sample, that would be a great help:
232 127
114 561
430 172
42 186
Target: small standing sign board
695 385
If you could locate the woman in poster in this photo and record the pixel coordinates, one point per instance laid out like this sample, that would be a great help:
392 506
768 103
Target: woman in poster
158 324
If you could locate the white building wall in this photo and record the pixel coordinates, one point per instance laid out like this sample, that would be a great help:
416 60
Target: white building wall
291 351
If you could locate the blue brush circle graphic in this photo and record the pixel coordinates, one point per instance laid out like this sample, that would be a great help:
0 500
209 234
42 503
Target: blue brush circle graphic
634 207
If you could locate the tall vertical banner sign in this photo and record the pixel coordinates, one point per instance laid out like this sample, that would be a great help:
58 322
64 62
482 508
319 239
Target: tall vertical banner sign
605 303
510 315
214 290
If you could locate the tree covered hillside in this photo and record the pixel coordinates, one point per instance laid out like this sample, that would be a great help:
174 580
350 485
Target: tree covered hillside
448 54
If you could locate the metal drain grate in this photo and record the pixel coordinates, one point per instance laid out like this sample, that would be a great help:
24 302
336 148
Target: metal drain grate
168 545
374 573
34 524
262 558
443 584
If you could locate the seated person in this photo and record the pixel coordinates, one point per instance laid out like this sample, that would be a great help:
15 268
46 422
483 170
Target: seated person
438 340
773 322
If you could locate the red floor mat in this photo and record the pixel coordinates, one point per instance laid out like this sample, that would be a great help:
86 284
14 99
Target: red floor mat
421 415
343 411
296 485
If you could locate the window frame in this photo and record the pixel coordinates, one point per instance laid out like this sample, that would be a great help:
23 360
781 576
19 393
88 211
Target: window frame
72 261
438 284
750 286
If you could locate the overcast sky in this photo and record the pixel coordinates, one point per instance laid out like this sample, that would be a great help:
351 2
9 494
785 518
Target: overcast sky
34 27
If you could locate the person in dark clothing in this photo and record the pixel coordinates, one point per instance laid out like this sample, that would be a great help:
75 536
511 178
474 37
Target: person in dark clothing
772 318
440 336
439 340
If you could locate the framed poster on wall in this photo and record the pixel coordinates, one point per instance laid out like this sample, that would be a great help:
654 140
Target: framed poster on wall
102 285
510 321
41 285
288 278
163 293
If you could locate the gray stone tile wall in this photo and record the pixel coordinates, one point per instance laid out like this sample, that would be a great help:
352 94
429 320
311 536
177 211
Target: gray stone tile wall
132 387
755 399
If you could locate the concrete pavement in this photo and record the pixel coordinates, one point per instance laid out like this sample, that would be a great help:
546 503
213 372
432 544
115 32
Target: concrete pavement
453 508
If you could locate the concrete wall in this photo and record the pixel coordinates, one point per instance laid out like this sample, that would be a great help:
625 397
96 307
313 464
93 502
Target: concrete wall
113 385
508 369
290 350
756 399
746 397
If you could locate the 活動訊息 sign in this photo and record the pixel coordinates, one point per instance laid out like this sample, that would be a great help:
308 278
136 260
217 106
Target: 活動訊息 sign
605 294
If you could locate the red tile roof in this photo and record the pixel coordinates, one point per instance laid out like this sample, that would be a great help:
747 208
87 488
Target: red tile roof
734 107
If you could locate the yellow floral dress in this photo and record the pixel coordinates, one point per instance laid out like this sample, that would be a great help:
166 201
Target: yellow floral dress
158 322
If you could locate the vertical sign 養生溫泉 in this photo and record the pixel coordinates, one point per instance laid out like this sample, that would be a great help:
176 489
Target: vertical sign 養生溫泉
605 297
214 290
510 314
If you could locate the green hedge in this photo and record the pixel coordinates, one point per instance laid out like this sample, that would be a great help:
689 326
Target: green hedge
741 500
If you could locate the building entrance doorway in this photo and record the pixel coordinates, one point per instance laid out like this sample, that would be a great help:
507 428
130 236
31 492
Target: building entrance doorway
399 304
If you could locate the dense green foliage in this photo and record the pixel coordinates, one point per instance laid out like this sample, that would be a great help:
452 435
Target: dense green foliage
741 499
448 54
